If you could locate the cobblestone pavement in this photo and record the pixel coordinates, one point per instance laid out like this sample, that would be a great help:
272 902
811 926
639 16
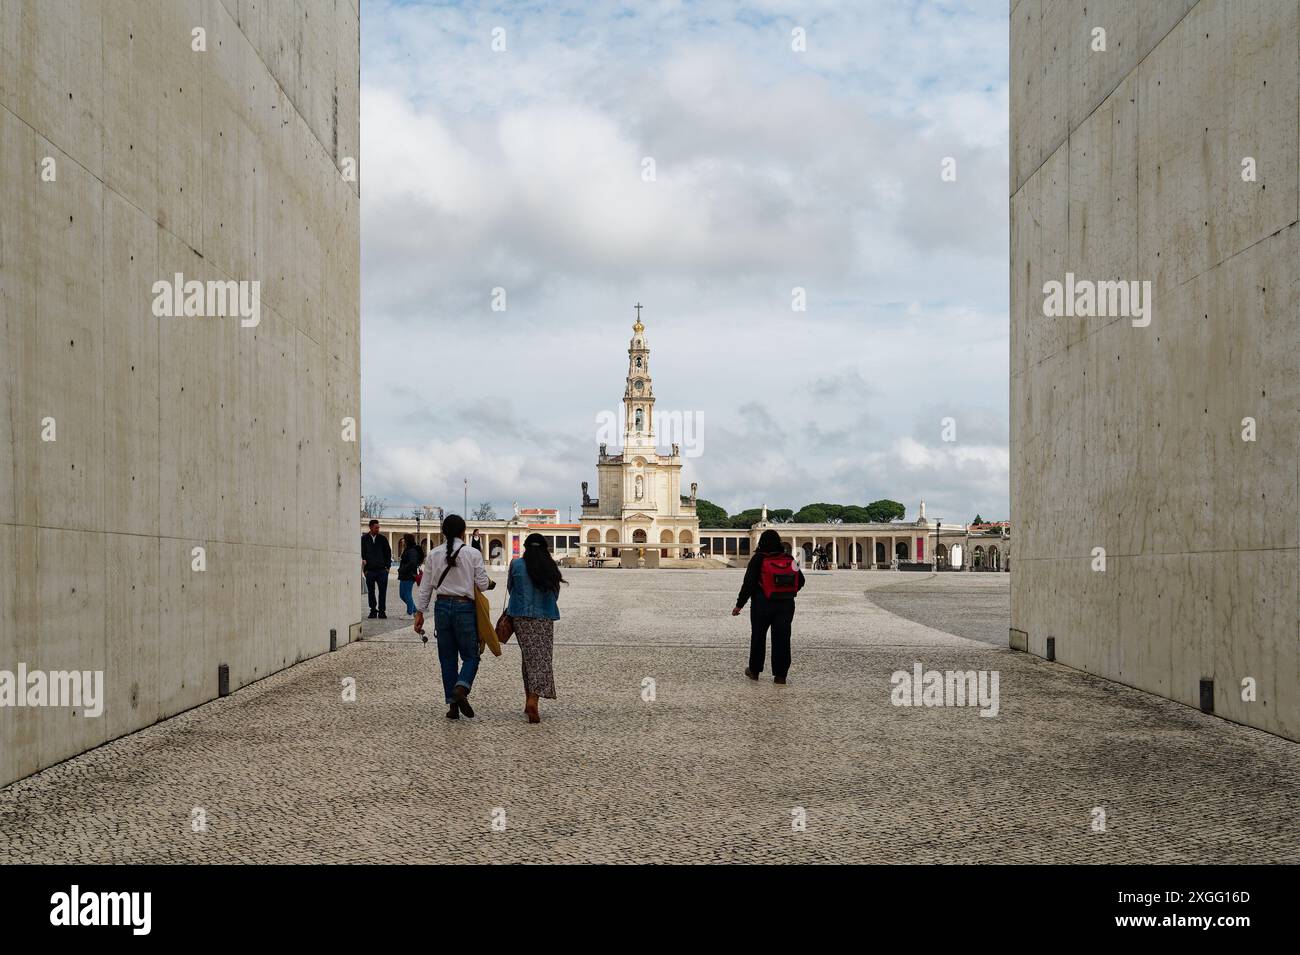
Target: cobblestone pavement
974 605
715 768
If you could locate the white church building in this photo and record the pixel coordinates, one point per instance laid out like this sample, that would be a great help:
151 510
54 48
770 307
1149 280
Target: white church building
639 516
639 504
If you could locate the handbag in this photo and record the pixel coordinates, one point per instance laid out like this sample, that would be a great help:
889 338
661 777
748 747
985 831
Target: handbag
505 626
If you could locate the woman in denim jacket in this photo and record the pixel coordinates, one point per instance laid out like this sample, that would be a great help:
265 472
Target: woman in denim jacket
533 583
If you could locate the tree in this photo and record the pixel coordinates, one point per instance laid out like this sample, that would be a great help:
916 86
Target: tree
746 519
818 514
780 515
710 514
978 520
484 512
885 510
373 506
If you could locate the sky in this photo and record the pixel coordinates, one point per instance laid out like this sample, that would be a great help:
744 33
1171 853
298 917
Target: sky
504 162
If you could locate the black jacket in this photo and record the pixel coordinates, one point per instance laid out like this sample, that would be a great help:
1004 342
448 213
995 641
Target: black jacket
752 586
378 554
410 562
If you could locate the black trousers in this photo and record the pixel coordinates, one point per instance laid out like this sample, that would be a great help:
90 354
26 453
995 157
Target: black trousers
377 579
777 615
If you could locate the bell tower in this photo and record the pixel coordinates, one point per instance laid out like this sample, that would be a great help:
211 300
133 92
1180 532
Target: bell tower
638 394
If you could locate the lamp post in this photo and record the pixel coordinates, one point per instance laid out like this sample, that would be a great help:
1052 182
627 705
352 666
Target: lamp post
465 514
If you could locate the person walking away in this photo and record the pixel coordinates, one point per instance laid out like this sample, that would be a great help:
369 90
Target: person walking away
452 572
771 582
533 582
408 568
376 558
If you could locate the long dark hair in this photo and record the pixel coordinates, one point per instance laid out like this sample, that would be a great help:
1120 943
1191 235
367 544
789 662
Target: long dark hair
542 569
769 542
453 527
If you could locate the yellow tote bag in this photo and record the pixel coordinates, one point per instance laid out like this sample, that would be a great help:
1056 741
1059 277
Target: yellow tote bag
487 633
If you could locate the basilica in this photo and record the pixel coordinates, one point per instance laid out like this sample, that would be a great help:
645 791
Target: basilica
638 498
639 517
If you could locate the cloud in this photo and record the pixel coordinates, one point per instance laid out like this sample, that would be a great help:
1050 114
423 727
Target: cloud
523 171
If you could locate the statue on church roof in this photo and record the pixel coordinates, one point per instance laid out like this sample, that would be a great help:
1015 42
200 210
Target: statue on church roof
586 498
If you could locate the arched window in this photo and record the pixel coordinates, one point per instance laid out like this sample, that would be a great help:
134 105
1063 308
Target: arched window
639 419
638 362
978 557
900 550
880 553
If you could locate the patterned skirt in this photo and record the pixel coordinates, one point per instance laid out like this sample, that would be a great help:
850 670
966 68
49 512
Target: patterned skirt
536 640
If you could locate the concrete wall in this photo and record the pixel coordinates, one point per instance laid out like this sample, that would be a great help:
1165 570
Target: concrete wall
1126 164
173 433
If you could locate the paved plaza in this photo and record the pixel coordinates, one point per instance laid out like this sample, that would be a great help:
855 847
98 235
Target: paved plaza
714 768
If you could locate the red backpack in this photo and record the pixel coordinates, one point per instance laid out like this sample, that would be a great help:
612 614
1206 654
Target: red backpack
778 577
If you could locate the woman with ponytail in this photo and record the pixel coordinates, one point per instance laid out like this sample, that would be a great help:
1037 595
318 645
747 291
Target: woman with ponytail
533 583
453 572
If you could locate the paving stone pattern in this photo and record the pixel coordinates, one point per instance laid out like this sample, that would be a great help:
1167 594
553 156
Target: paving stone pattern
714 769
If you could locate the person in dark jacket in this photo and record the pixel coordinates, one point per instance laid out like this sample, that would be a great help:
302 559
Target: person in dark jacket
408 568
776 613
376 558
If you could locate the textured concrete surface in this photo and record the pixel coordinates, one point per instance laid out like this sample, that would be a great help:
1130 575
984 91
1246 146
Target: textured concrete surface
712 770
972 605
1127 164
173 433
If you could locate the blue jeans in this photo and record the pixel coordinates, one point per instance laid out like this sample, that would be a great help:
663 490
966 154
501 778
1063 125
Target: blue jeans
456 627
404 588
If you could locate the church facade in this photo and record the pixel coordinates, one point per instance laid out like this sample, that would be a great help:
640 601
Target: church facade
639 503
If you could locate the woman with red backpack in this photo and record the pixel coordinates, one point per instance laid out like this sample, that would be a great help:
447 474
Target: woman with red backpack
772 581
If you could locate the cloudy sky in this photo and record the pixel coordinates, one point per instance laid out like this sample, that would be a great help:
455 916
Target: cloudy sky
524 169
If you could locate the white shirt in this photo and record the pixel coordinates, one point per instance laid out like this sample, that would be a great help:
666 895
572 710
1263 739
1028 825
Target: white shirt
467 572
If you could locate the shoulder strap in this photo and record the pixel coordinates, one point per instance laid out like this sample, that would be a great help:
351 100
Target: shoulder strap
451 562
445 571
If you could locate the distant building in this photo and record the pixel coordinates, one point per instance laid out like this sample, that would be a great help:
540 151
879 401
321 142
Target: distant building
639 500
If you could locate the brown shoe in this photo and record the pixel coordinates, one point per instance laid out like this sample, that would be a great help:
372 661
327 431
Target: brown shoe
452 712
751 674
779 680
460 695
